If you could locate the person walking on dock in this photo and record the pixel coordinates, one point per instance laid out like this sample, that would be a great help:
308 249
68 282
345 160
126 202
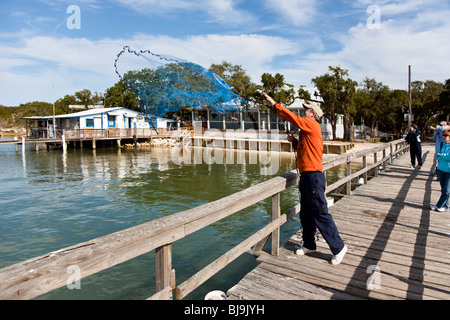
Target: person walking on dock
443 171
314 208
415 146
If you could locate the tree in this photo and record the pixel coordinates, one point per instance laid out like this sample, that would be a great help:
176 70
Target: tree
425 101
237 77
338 92
278 89
444 102
69 100
303 94
119 96
84 97
399 100
373 104
5 116
97 98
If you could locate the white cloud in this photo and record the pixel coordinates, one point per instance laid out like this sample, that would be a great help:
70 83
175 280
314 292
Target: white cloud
38 62
385 54
30 65
395 8
216 11
296 12
150 7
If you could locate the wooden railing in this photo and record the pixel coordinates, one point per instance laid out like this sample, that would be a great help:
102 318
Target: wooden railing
40 133
43 274
116 133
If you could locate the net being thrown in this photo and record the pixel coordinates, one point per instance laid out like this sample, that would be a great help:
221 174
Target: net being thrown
164 84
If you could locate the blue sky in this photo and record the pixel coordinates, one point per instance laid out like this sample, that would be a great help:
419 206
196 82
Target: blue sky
41 43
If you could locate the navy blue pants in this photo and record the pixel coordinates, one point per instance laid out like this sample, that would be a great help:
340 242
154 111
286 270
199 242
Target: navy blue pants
314 212
415 151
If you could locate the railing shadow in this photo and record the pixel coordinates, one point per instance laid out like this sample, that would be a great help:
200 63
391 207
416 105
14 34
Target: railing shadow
379 243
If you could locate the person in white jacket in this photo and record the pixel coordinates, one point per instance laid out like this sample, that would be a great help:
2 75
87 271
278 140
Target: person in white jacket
443 171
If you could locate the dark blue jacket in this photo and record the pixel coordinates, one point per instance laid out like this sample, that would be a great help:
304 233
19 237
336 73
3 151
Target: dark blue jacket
413 139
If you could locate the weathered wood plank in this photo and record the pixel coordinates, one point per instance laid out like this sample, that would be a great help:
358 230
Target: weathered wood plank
387 226
200 277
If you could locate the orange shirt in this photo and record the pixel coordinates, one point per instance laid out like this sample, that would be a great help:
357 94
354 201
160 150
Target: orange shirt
310 143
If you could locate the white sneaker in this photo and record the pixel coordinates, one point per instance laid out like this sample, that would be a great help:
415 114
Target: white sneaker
433 207
302 251
338 257
441 209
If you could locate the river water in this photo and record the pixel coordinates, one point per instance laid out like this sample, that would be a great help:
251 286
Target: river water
50 200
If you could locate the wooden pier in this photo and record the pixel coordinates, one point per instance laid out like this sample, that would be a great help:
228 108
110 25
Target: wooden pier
92 137
397 247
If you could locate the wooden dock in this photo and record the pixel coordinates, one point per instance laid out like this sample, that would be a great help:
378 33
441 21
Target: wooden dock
397 247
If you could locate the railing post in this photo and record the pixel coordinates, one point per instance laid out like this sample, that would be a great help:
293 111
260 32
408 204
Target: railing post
349 172
391 149
276 212
365 166
375 160
164 277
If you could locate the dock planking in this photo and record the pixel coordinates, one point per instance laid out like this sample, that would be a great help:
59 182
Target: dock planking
397 247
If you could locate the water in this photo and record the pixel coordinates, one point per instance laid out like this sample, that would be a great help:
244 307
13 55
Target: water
50 200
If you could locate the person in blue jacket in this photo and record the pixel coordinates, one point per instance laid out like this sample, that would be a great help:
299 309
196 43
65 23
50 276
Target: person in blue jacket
443 171
438 138
415 146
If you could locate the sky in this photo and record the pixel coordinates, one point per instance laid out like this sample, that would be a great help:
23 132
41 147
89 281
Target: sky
50 48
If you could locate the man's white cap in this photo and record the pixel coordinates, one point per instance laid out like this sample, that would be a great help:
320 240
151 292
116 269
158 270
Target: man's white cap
314 107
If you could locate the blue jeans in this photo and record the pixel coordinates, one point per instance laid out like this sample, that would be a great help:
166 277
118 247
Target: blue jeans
444 180
314 212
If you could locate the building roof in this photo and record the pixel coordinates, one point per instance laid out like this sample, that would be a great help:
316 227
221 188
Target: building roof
85 113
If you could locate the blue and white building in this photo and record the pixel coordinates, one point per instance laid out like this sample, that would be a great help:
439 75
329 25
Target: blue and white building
95 119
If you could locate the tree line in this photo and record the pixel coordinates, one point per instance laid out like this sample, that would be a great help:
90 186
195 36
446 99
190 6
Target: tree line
369 101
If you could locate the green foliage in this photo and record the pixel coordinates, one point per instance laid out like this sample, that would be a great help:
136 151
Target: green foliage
278 89
372 102
5 116
426 102
119 96
236 77
303 94
338 92
444 102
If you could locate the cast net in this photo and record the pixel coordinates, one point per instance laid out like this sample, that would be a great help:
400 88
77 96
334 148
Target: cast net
163 84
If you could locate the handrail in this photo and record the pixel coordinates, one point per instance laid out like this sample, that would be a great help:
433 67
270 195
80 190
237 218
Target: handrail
37 276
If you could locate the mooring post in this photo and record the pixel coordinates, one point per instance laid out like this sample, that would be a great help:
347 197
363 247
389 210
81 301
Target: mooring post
64 144
23 144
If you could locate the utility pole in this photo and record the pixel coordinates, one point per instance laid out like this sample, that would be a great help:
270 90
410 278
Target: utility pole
409 93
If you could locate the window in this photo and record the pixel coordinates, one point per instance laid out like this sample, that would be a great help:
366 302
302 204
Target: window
89 123
112 121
